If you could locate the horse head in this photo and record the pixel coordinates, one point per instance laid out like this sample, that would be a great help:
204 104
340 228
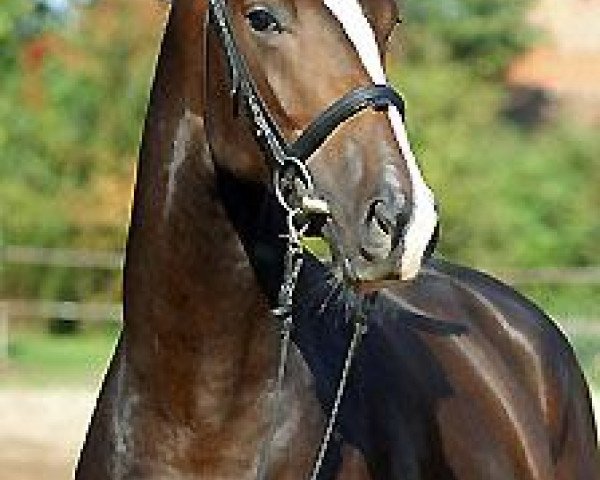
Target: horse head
190 392
303 55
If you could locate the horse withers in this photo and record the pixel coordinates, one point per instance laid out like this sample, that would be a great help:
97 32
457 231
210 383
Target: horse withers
457 376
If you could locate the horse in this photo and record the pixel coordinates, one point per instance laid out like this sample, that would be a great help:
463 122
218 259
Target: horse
456 376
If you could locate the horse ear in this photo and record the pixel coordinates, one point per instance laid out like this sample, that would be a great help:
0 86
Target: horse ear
383 15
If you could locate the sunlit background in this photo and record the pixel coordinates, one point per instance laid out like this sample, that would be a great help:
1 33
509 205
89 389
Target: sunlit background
504 109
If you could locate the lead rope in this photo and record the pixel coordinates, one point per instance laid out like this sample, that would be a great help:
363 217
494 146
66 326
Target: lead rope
284 312
360 329
293 265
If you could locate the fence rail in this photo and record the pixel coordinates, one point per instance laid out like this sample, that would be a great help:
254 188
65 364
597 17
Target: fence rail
47 310
90 259
104 312
44 310
65 310
58 257
552 276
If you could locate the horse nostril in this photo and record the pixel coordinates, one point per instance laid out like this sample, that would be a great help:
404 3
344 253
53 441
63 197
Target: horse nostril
383 217
376 236
380 214
386 221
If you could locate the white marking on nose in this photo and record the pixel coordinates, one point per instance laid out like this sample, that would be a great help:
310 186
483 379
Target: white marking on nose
424 216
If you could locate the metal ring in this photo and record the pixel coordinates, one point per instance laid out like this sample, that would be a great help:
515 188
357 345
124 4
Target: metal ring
301 173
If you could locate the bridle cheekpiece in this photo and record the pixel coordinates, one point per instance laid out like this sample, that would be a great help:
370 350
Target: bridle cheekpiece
294 188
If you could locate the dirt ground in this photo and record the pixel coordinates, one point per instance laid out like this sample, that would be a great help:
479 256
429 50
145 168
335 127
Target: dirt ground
41 432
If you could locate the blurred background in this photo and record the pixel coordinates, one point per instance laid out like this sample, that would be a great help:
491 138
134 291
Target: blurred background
504 109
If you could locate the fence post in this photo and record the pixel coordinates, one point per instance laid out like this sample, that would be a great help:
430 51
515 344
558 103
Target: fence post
3 312
3 334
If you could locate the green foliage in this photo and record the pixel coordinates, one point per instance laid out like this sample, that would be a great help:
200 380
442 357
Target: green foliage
74 90
73 98
71 111
509 197
567 302
482 33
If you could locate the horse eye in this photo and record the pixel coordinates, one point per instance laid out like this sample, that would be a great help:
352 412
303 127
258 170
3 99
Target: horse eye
263 21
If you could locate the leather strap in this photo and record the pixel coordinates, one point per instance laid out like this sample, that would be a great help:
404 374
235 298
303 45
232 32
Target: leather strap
377 97
276 149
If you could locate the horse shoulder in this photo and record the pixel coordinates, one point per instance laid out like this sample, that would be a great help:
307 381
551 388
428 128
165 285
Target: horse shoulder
543 358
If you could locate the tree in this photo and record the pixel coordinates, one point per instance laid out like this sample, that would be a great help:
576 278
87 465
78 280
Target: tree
74 89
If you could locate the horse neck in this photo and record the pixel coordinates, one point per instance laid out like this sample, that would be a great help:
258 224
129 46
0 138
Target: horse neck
192 301
197 343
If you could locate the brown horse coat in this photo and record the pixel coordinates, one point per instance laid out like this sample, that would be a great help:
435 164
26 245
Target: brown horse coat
187 395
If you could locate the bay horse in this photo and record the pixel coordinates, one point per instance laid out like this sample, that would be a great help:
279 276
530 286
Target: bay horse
457 376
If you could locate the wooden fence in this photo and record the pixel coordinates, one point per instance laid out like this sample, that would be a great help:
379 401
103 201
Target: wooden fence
89 312
113 261
101 312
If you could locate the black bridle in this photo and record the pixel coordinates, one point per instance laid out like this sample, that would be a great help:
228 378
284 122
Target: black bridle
287 161
280 154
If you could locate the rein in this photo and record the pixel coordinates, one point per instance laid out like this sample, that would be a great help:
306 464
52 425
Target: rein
294 188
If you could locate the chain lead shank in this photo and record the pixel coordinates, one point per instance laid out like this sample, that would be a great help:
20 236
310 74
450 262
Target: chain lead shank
294 188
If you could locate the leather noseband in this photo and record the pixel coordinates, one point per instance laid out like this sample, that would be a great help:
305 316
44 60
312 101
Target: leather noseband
275 147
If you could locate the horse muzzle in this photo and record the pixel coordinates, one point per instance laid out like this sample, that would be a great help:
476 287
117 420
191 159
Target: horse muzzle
374 254
381 245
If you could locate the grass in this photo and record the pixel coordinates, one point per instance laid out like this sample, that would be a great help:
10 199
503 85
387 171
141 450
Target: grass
38 359
587 348
566 302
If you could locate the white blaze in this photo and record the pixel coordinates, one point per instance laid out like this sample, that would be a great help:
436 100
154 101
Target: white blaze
424 217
